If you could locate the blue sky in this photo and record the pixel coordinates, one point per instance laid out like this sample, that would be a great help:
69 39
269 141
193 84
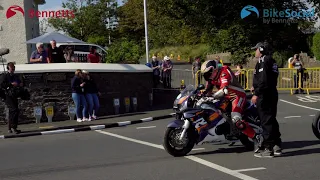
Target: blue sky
57 5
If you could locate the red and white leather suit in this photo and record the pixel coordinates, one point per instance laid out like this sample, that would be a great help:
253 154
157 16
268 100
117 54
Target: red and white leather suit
225 78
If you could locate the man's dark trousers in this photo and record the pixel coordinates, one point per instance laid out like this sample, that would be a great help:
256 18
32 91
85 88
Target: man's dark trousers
267 110
13 106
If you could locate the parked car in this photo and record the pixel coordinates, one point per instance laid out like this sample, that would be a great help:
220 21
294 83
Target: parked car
82 50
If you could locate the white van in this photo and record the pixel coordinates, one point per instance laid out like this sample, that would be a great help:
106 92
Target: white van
83 49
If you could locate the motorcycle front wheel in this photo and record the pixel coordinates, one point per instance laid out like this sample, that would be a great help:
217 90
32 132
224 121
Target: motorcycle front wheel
316 125
176 147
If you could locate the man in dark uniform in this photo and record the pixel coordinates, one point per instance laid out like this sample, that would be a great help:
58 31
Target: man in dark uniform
266 98
9 82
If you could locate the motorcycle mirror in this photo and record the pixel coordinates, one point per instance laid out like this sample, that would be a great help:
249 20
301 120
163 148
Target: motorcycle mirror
201 86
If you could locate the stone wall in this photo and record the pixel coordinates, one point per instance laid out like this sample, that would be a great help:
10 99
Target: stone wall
55 89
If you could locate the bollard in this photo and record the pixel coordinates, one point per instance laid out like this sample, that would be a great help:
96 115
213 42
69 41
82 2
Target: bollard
151 99
127 104
182 85
116 105
71 112
37 113
135 104
49 113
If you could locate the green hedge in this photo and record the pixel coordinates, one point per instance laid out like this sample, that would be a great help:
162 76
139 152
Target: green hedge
185 52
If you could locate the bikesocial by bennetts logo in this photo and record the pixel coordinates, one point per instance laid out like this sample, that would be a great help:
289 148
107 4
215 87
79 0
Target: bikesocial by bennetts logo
273 15
247 10
13 10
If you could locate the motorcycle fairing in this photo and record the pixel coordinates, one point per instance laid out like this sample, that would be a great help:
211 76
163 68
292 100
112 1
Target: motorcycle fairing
203 130
176 124
192 113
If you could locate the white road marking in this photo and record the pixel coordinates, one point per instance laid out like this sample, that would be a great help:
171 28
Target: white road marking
198 149
220 168
300 105
305 99
146 127
312 115
250 169
292 116
193 158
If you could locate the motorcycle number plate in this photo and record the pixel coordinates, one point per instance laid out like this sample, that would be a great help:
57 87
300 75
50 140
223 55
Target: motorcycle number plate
200 122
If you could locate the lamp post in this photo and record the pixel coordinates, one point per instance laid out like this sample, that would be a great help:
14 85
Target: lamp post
146 29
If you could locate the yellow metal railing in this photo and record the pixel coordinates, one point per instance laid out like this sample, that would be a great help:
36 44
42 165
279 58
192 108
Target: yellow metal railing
310 79
289 79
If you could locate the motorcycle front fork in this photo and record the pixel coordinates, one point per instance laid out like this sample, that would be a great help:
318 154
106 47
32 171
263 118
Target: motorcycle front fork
185 127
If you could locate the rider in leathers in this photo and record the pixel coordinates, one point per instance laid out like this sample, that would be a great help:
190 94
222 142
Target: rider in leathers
226 82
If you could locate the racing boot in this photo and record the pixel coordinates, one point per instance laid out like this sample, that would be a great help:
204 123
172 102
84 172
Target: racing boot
245 128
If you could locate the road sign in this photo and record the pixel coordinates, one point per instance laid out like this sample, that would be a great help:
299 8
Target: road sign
38 111
72 110
127 101
49 111
134 101
116 102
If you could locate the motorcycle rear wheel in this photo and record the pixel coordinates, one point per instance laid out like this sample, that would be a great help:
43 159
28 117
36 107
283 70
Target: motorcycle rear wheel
316 125
249 145
188 146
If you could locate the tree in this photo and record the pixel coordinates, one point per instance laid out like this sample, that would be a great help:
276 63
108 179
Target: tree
89 21
43 26
172 22
124 51
316 45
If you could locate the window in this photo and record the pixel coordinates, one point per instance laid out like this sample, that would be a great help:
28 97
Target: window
82 48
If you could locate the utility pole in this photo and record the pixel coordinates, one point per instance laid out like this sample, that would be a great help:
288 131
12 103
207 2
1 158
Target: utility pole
146 29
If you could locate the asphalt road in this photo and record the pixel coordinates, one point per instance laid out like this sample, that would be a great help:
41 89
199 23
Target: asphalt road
135 153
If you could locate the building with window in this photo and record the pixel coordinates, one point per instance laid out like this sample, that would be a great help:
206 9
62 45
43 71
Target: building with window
15 31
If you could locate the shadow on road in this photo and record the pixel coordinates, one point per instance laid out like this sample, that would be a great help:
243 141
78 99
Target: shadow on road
286 146
300 144
232 149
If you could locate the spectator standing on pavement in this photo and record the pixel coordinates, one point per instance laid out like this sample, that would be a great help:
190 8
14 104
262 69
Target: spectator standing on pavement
93 56
266 98
77 86
167 67
298 65
196 65
9 82
39 55
92 95
156 71
55 54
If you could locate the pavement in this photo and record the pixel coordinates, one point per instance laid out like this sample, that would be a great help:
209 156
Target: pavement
135 152
38 127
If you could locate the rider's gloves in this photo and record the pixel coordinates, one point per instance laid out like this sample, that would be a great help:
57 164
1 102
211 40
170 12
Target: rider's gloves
219 94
